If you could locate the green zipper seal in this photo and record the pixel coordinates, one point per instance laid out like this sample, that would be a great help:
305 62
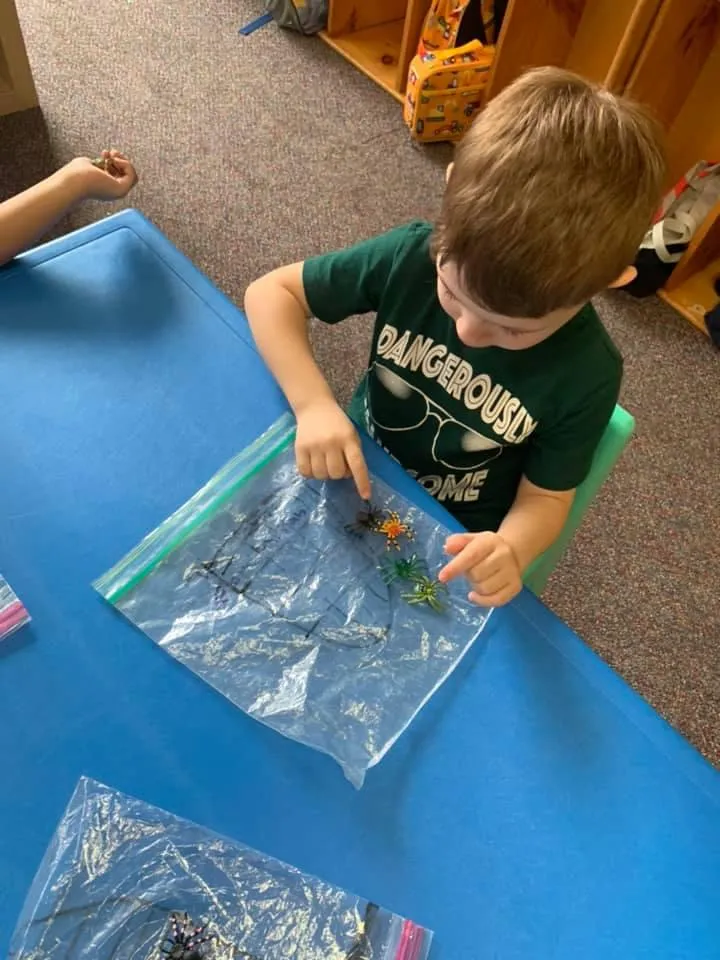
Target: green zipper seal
108 579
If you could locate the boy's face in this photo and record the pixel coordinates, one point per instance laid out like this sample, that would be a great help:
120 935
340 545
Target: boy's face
477 327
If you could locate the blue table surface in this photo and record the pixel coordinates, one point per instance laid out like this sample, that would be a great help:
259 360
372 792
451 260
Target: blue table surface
536 809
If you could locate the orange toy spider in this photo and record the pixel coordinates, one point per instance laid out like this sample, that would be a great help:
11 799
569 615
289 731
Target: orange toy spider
393 528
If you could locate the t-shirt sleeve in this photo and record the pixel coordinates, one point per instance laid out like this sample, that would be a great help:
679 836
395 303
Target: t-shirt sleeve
561 453
341 284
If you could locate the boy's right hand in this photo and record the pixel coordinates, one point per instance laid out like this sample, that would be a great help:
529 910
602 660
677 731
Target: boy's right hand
112 182
327 446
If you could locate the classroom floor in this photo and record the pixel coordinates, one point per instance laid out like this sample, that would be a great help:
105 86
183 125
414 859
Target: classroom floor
260 150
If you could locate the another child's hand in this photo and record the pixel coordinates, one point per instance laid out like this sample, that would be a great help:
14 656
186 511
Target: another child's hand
327 446
113 182
488 563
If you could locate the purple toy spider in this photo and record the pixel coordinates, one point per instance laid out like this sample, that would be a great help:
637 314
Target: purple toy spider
185 941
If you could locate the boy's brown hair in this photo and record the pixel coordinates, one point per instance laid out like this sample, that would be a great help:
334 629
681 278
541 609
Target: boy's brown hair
551 192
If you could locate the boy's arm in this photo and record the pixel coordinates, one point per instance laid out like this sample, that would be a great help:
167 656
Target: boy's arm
331 287
535 521
327 444
25 217
494 563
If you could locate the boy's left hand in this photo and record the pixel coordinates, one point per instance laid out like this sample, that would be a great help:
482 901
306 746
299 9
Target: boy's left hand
488 562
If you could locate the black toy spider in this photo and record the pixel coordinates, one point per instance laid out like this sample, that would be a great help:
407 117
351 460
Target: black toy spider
185 941
362 948
405 568
368 520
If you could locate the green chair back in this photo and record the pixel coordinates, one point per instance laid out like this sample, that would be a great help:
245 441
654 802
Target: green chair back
616 437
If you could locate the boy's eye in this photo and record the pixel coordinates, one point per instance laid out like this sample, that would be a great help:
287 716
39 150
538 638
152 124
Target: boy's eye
448 293
513 333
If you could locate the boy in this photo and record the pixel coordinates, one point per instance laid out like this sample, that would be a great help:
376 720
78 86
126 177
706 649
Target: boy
491 378
25 217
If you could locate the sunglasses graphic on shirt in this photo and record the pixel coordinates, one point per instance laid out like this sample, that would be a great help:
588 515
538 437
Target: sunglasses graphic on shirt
413 408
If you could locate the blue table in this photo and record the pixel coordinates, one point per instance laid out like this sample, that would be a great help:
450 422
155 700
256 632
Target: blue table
536 809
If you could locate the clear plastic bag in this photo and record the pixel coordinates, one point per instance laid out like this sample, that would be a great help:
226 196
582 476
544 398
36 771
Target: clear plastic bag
118 870
13 614
276 591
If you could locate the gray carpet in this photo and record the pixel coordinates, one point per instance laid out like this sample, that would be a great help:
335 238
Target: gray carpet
256 151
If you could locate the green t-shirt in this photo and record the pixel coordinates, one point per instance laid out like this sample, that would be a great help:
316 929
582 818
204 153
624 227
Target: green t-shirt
466 422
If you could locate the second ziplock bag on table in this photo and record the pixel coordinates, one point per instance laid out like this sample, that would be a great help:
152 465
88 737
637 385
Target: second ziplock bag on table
123 880
313 614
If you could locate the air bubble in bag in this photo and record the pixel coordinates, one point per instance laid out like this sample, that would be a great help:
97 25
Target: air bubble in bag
117 869
259 587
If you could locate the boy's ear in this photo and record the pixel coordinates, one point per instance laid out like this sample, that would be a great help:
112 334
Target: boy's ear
626 277
448 171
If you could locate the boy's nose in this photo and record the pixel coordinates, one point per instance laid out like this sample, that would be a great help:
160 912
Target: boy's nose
473 331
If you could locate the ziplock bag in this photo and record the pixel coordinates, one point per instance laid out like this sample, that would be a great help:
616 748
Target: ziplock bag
120 876
13 614
286 596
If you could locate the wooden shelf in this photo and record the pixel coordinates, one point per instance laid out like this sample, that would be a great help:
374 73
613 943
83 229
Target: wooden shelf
17 91
696 295
375 51
690 286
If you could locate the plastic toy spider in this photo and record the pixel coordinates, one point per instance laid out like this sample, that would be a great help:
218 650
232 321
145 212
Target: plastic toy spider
393 528
406 568
429 592
368 520
362 948
185 941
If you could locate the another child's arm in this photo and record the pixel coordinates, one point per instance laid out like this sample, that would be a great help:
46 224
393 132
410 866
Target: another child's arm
25 217
327 444
494 563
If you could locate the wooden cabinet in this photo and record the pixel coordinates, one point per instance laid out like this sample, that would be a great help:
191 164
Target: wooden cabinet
678 75
379 37
599 39
17 90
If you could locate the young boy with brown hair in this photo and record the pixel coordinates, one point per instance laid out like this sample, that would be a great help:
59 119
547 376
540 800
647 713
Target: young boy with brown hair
491 378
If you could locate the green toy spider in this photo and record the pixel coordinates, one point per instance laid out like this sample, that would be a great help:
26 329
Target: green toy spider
429 592
410 568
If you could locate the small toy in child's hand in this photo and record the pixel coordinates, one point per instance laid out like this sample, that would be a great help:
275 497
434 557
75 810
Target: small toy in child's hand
185 941
13 614
106 164
393 528
427 591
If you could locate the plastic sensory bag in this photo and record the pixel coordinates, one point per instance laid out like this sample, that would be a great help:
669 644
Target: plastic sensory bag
122 880
13 614
314 612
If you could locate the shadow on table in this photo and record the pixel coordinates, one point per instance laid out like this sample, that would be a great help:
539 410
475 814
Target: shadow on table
21 638
565 717
130 300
